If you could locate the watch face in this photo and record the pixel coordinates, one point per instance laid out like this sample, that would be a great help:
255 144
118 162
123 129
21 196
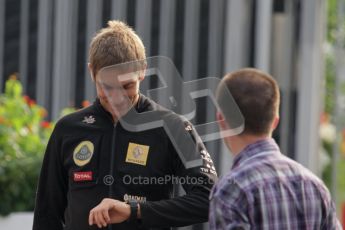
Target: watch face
133 203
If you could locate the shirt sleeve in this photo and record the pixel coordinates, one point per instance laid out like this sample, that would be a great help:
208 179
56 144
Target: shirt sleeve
229 208
192 207
52 188
331 221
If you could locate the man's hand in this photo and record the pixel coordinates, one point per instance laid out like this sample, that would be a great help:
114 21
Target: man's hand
109 211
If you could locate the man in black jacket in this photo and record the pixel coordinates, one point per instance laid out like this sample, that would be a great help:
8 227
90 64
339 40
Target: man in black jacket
97 174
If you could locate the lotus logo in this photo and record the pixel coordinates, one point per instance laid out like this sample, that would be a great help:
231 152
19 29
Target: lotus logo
83 154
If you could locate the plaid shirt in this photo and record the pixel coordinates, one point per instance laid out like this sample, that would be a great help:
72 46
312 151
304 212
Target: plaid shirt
267 190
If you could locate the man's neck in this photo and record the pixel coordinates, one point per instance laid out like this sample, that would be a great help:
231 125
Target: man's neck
238 143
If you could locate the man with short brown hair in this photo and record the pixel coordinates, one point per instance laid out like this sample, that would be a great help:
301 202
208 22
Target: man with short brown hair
264 189
95 171
117 43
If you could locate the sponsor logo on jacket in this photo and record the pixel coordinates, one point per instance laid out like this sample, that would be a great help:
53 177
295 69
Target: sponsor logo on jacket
82 154
137 154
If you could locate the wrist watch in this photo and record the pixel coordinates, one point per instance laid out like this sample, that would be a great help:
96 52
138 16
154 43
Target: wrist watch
133 204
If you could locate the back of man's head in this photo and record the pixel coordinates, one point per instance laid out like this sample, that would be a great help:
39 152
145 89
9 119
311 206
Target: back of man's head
115 44
257 96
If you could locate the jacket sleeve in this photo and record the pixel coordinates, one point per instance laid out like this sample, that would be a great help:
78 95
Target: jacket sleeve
52 189
197 182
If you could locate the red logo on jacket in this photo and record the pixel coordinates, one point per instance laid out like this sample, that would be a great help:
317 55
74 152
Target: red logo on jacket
82 176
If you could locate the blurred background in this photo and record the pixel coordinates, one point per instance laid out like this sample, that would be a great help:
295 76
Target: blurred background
43 75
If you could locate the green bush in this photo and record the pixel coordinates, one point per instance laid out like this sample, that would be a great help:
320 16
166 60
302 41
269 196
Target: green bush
23 137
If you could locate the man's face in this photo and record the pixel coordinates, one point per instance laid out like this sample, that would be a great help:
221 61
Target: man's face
118 92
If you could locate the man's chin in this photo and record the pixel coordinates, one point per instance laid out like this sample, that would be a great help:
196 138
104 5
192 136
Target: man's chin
120 110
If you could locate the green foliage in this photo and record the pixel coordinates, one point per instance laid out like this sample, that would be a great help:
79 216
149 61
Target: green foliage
329 85
327 178
67 111
335 38
340 180
331 20
23 138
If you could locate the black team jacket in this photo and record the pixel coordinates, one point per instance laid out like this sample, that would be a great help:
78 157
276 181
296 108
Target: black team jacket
89 158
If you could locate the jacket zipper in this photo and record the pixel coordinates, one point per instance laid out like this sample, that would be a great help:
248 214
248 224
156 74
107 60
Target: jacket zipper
112 159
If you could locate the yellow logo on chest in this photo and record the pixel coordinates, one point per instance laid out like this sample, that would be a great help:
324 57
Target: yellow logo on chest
82 154
137 154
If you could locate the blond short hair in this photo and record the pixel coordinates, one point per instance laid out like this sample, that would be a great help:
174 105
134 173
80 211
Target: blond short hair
117 43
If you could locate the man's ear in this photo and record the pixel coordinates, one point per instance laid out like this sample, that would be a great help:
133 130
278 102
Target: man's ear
89 66
221 121
142 73
275 122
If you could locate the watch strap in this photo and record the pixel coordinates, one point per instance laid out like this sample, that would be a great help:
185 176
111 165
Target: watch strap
133 204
